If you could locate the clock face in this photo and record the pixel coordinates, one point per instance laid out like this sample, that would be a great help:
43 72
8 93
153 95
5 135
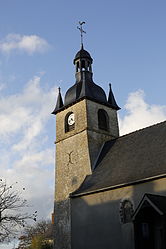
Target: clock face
71 119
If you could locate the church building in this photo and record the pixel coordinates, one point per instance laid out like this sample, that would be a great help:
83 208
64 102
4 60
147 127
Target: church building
110 190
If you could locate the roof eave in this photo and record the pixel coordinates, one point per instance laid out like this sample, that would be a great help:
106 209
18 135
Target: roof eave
75 194
78 100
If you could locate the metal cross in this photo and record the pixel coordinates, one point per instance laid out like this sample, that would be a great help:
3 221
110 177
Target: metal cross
81 31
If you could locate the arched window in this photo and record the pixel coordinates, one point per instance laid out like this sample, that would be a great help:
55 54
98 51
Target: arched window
69 122
77 67
83 65
103 120
89 67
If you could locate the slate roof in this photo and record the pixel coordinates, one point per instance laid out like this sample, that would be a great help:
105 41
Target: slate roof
85 89
128 159
111 100
82 54
84 86
158 202
59 103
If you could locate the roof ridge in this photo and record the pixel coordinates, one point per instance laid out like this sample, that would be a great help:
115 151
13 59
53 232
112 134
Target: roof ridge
141 129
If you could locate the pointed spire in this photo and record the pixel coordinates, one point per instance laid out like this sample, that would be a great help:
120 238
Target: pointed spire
59 103
111 100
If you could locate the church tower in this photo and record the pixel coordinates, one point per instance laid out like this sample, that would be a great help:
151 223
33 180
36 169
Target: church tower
84 121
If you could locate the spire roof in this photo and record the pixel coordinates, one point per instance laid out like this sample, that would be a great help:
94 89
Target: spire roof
111 100
85 88
59 103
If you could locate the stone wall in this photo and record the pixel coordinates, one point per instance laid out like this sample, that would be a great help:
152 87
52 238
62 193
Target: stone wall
76 152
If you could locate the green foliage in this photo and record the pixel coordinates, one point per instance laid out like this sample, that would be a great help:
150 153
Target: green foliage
39 242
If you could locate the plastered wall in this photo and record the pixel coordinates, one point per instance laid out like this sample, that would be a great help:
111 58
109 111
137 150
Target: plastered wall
96 218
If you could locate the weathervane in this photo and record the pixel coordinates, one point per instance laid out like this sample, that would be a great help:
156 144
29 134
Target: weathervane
81 31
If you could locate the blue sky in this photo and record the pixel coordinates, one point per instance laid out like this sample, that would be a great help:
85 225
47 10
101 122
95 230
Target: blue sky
38 41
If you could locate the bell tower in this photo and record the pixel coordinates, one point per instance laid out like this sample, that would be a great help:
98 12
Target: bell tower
84 121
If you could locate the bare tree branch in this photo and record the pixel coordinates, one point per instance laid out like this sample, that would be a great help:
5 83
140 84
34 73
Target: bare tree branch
12 215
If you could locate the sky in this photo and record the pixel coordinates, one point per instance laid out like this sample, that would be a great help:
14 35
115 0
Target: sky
38 42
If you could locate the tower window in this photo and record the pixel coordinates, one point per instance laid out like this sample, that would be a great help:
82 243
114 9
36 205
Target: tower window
83 65
77 67
89 66
103 120
69 122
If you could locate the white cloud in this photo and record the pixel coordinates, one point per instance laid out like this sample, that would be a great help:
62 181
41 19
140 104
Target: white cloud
2 86
25 43
26 144
140 114
7 246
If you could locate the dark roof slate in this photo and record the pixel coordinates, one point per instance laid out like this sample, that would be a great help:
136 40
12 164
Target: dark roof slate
82 53
127 159
111 100
158 202
59 103
85 89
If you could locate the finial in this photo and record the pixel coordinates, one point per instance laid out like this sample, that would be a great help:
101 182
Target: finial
59 89
81 32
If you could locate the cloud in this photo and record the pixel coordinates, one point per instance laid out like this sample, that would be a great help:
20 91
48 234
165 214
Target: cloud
7 246
140 114
27 145
24 43
2 86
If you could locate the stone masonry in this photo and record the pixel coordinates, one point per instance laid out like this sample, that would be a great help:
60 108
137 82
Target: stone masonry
76 152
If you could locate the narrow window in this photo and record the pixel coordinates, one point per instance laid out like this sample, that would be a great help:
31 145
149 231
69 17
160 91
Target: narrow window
103 120
88 67
77 67
83 65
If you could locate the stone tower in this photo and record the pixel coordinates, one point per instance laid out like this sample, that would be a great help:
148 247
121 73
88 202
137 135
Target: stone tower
84 122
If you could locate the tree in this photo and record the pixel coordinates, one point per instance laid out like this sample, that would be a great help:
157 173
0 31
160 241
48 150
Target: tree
12 215
38 236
